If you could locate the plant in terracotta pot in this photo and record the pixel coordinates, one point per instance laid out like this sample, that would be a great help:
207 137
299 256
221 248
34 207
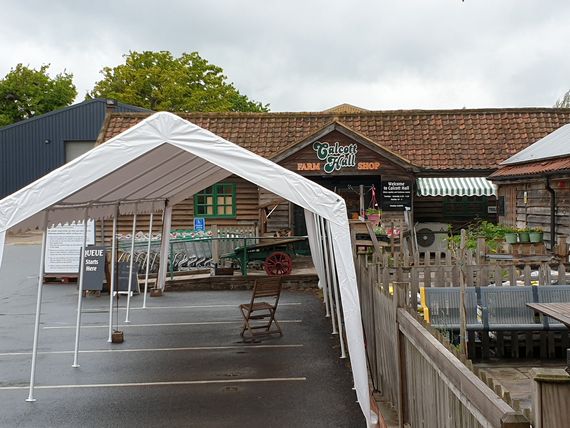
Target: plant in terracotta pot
535 234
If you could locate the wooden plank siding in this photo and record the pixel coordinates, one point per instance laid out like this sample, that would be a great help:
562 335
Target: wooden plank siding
432 209
280 218
533 210
247 202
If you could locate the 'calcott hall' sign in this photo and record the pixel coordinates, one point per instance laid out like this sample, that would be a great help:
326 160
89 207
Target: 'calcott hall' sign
333 157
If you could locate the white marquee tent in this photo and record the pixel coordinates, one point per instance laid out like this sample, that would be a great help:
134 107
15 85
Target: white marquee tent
164 160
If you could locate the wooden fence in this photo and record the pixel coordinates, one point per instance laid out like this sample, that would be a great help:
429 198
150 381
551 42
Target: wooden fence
417 372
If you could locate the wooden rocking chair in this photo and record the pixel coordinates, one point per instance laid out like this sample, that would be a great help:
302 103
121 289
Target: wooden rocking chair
262 307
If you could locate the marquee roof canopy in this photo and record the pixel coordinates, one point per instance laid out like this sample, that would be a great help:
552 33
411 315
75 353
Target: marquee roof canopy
163 160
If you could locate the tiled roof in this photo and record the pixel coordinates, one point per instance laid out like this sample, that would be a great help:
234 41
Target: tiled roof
434 140
345 108
534 168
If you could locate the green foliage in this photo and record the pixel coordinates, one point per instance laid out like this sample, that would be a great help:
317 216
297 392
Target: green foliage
159 81
373 211
26 92
379 230
494 234
563 102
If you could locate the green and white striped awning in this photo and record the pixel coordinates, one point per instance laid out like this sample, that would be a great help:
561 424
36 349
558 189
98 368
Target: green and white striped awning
455 186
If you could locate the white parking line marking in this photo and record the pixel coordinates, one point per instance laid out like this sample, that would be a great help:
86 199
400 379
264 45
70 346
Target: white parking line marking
181 382
106 310
163 324
189 348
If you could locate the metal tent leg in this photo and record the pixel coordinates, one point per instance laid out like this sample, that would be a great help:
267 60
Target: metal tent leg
147 260
80 294
130 289
113 274
38 312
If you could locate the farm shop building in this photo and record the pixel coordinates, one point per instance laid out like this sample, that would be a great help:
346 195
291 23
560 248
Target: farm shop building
432 163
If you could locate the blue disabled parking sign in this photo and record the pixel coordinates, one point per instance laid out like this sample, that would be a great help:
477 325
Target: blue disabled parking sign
200 223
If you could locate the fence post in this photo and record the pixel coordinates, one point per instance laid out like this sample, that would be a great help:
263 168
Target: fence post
462 310
514 420
550 397
399 299
215 245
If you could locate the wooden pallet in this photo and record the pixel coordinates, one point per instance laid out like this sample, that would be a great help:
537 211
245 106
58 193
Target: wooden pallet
61 278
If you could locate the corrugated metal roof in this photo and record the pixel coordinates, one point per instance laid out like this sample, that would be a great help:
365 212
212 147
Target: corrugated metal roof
31 148
555 144
559 166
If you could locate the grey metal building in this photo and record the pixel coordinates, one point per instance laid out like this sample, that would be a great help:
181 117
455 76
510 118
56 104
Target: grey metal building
31 148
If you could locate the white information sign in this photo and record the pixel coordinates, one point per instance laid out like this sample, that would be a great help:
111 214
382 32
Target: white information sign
63 246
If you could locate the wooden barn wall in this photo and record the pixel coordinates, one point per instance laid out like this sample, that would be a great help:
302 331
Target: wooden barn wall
534 209
280 218
431 209
247 202
428 209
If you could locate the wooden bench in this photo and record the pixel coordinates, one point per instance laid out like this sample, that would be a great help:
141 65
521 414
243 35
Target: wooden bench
499 310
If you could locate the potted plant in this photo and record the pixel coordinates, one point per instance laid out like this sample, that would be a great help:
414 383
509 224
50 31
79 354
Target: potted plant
524 235
381 234
373 215
536 234
511 235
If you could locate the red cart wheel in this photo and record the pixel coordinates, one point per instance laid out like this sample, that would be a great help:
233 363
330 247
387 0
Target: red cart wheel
278 263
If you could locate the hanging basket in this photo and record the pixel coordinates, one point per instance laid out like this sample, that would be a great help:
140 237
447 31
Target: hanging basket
374 218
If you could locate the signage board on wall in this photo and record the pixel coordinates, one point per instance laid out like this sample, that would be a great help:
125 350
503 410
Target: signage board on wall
396 194
63 247
199 223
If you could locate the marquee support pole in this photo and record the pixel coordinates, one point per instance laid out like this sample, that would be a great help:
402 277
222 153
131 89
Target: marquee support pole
113 272
131 263
328 274
38 312
80 295
165 245
147 260
336 292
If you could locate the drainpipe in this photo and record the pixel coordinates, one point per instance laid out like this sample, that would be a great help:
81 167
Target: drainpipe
552 213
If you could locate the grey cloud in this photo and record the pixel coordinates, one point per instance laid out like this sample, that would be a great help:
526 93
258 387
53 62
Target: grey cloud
309 55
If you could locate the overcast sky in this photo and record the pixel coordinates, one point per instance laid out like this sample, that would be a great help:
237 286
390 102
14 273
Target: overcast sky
311 55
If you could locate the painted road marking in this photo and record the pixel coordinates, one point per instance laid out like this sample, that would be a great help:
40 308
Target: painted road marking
181 382
162 324
189 348
106 310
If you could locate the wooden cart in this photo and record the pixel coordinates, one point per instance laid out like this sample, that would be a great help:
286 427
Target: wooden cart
276 255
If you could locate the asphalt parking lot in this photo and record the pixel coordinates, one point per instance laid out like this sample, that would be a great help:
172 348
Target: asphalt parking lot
183 362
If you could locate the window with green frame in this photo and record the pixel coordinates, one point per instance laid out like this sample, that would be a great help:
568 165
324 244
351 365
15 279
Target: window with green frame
218 200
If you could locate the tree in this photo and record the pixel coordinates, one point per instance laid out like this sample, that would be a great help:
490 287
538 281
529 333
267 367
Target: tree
563 102
159 81
26 92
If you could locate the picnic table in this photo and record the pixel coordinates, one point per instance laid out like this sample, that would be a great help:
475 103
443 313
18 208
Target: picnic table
558 311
